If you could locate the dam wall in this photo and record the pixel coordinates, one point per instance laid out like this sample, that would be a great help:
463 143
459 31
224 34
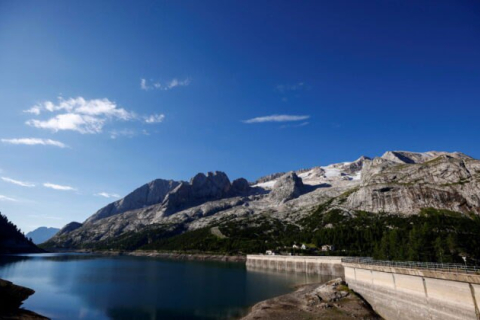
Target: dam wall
398 293
299 264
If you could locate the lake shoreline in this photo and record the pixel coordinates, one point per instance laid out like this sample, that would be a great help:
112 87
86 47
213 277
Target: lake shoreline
180 256
163 255
12 297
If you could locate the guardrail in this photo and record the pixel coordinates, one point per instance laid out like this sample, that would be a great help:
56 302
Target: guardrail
445 267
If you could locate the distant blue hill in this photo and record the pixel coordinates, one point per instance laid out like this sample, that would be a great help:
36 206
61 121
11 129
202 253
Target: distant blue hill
42 234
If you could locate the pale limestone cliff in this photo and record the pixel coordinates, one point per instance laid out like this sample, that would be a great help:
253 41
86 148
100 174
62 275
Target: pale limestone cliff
398 182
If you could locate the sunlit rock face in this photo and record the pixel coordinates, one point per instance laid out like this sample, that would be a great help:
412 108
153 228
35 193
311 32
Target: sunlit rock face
287 187
443 181
149 194
397 182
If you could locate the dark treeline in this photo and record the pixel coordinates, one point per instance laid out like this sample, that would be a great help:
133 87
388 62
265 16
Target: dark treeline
8 230
12 239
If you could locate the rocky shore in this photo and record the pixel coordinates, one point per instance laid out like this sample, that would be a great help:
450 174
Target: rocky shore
332 300
11 299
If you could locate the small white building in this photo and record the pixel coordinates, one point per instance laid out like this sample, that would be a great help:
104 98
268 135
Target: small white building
328 247
302 247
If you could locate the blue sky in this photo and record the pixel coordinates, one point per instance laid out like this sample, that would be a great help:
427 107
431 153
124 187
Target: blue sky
100 97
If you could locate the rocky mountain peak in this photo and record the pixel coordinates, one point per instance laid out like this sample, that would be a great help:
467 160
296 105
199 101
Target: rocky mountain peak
240 186
355 166
214 184
69 228
287 187
202 188
151 193
407 157
198 180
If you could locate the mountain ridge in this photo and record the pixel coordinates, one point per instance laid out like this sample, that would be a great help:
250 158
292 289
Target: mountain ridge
41 234
399 182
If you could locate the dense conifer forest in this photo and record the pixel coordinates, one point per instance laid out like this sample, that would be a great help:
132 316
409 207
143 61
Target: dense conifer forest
12 240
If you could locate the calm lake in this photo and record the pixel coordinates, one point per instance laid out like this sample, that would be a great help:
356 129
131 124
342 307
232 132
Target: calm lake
84 286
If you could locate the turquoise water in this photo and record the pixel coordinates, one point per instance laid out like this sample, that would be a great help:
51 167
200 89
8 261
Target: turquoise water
83 286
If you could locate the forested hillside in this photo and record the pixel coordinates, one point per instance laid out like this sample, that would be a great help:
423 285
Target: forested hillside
12 240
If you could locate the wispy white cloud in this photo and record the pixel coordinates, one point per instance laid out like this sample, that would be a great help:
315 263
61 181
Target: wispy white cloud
70 121
177 83
78 114
18 182
303 124
82 115
168 85
35 110
35 141
144 85
107 195
277 118
290 87
58 187
5 198
129 133
154 118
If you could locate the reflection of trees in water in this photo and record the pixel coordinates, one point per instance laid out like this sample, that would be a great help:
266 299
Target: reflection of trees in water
72 257
7 260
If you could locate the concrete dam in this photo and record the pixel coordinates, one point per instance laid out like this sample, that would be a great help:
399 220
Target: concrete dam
396 291
311 265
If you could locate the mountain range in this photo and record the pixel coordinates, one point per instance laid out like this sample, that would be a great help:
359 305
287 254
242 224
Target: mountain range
42 234
398 182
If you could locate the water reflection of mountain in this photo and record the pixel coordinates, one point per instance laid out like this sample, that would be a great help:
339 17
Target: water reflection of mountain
18 258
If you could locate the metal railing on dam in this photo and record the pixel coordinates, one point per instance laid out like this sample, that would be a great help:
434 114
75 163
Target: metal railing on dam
444 267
